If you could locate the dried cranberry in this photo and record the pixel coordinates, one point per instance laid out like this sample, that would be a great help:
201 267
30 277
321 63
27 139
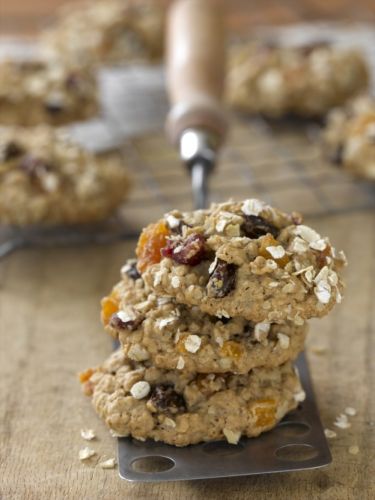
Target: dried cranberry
33 165
190 251
222 280
165 399
12 150
255 226
118 324
132 272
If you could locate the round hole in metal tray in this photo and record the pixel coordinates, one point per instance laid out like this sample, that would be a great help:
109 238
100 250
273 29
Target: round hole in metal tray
222 448
154 463
291 429
296 452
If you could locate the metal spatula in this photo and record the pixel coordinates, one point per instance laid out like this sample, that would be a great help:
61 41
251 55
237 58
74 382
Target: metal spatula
196 123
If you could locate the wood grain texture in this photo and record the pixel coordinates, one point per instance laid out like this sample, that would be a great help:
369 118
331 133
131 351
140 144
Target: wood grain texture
49 330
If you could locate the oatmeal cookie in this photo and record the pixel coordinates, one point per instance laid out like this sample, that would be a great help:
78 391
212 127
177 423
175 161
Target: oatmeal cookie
39 92
305 81
349 137
180 409
242 259
174 336
107 32
47 179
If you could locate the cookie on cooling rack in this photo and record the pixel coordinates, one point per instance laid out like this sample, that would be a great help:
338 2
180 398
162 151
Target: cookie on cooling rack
107 32
242 259
180 409
174 336
47 179
349 137
305 81
39 92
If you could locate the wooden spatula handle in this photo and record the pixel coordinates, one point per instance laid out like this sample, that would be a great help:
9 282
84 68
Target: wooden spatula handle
195 67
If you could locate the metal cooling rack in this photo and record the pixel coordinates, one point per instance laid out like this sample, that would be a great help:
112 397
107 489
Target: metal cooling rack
280 162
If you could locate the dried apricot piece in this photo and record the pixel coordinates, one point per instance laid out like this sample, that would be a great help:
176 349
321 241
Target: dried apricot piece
110 306
232 349
264 410
269 241
152 239
84 376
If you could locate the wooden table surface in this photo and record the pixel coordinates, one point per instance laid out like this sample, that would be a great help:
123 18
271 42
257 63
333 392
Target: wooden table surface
50 330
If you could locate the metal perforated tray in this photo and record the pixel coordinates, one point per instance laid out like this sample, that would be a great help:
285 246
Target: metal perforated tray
297 443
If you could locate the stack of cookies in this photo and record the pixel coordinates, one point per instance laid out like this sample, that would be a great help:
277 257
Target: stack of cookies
210 317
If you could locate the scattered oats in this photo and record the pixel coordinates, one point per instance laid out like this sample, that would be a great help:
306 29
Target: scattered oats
323 292
107 464
192 343
271 264
277 252
163 322
220 226
212 266
350 411
88 434
175 282
273 284
169 422
318 245
138 353
309 275
125 316
261 331
180 363
318 350
330 434
342 421
140 389
353 450
172 221
158 277
300 396
307 233
284 340
164 300
222 313
298 245
252 207
303 270
232 436
322 275
86 453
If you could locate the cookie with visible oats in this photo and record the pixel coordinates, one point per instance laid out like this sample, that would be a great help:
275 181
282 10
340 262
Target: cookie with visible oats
107 32
305 81
39 92
174 336
349 137
45 178
242 259
180 409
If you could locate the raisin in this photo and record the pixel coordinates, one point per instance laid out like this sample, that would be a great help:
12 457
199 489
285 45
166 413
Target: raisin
53 107
165 399
34 166
132 272
118 324
190 251
338 155
222 280
255 226
12 150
